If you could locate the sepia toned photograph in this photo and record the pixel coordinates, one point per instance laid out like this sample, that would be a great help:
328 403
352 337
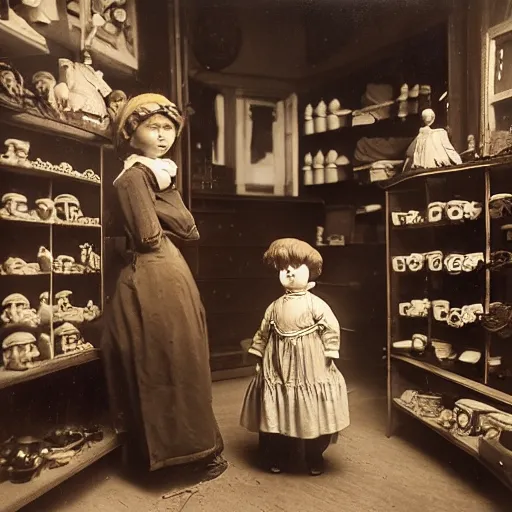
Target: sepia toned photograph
255 255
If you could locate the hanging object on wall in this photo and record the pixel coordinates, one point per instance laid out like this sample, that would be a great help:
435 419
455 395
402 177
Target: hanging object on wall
217 36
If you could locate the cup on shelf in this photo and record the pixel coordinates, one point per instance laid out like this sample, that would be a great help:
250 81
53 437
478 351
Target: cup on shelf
455 209
419 343
472 261
419 307
472 210
453 263
415 261
413 217
443 350
398 218
440 309
404 308
454 318
434 260
398 263
435 211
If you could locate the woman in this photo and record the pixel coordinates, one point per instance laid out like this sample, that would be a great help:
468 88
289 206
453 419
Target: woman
156 343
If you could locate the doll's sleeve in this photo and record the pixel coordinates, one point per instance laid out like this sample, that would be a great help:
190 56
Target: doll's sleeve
330 332
139 210
260 340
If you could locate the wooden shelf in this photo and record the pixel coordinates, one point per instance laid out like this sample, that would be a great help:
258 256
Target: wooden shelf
15 496
43 223
458 379
483 163
467 443
440 224
42 173
26 275
10 378
407 124
41 124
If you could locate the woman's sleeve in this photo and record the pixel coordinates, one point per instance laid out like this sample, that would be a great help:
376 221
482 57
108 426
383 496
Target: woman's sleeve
330 332
138 208
260 340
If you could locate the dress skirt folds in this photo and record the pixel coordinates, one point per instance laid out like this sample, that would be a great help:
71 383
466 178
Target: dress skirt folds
298 392
155 344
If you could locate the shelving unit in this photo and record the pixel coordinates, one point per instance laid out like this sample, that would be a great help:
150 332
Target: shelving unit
425 372
67 389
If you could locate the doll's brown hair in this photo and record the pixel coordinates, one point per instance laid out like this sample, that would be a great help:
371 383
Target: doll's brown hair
291 251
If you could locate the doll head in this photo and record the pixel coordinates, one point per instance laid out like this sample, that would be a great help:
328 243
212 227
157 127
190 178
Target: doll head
149 125
296 261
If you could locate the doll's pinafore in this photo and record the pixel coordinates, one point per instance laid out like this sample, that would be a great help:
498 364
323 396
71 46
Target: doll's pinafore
298 392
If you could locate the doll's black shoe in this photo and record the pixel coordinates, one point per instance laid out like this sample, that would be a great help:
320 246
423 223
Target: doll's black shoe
316 467
275 469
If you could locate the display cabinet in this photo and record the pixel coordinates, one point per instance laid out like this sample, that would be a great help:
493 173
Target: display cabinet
55 417
449 260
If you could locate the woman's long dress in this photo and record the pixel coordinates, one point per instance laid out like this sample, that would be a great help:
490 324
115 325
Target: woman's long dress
299 392
155 345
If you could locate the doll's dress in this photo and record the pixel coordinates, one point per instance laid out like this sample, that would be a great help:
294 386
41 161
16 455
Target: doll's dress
299 392
432 148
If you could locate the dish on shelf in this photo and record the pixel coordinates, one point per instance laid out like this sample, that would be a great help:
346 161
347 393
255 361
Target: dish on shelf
437 211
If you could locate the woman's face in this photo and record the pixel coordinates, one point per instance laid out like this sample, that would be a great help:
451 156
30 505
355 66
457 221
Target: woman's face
154 137
294 278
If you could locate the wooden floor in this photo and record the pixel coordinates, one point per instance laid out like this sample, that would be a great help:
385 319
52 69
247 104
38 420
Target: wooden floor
367 472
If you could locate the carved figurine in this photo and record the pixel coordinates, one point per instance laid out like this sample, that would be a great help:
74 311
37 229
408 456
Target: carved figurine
20 351
320 120
68 208
12 90
64 264
17 311
64 311
432 147
11 85
81 90
115 103
15 206
45 210
403 109
45 310
89 259
318 168
16 153
297 342
44 84
308 169
44 259
331 170
470 153
68 340
309 127
333 121
18 266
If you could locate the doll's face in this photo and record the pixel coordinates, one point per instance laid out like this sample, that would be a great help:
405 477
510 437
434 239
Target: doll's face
294 278
154 137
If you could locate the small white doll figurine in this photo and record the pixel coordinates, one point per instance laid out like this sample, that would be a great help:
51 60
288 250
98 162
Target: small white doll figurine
298 392
320 121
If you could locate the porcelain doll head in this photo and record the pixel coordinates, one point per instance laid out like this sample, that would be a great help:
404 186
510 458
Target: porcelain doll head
296 261
19 351
148 124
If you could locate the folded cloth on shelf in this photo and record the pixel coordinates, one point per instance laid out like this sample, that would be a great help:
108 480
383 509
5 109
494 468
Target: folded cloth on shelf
369 150
379 96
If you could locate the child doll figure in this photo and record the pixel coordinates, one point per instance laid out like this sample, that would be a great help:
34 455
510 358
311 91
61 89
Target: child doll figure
298 392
